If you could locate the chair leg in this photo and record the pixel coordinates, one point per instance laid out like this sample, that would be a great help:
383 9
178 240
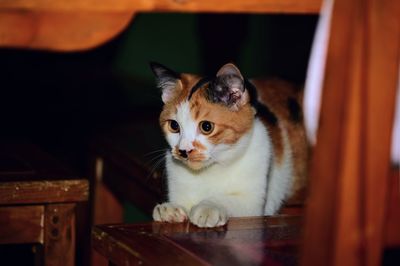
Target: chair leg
59 236
351 162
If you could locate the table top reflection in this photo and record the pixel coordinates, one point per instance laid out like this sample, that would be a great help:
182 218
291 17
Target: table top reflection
243 241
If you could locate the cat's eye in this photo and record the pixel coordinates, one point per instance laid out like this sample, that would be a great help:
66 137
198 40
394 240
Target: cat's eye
206 127
173 126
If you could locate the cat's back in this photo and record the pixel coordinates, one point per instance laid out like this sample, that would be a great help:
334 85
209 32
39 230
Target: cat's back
283 98
283 117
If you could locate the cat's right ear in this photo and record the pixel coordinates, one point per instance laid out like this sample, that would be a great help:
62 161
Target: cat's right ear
167 80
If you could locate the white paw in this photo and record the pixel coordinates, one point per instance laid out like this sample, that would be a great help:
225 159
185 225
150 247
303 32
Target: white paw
207 214
169 212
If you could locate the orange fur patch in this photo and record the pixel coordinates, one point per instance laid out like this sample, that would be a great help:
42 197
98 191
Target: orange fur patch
198 145
183 88
229 125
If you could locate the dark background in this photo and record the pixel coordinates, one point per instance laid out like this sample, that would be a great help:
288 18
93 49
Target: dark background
61 101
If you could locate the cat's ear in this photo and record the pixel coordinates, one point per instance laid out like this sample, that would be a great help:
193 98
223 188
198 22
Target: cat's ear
229 69
167 80
229 88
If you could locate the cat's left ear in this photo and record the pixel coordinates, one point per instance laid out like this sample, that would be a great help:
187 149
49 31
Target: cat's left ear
167 80
229 88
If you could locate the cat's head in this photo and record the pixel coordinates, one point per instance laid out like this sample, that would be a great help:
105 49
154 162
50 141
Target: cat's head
204 119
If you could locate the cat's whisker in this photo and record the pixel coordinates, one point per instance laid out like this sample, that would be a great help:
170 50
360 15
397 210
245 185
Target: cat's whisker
155 160
154 163
156 167
155 151
155 155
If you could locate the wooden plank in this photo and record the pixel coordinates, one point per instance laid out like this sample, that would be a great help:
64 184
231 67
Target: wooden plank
59 244
248 6
29 175
80 25
350 170
323 192
21 224
244 241
381 77
236 6
46 191
138 249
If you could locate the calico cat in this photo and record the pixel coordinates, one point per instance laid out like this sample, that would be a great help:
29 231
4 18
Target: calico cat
238 148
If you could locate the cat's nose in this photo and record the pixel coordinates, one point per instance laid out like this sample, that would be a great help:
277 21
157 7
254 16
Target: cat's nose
184 153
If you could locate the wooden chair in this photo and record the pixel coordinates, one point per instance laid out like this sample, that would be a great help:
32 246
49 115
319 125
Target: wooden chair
38 198
345 220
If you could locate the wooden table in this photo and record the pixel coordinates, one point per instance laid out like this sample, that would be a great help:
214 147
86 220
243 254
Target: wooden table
37 202
79 25
243 241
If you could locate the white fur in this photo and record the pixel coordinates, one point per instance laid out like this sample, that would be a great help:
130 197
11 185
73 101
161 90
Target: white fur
239 180
280 179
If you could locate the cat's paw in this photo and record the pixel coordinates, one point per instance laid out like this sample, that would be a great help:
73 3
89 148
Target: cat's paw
169 212
207 214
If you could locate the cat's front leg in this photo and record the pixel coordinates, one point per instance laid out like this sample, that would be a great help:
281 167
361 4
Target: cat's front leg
169 212
208 214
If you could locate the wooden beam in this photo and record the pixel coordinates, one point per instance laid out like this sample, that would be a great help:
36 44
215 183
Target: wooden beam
248 6
84 24
351 164
46 191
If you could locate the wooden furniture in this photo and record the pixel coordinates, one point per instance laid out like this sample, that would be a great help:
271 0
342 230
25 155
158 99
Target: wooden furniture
78 25
345 221
351 169
243 241
37 202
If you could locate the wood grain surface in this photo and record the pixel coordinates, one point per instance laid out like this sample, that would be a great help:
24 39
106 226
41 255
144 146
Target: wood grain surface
80 25
249 6
59 244
349 188
46 191
22 224
243 241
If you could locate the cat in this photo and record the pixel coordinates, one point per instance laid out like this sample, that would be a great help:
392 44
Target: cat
237 148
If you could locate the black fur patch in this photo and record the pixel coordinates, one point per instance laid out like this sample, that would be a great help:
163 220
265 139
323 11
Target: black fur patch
261 109
198 85
214 96
295 111
252 93
264 112
220 90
